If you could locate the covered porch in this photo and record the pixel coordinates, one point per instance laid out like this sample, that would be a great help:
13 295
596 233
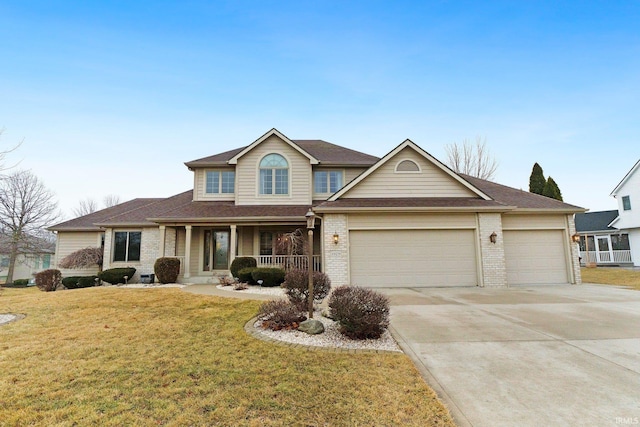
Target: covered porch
605 249
206 251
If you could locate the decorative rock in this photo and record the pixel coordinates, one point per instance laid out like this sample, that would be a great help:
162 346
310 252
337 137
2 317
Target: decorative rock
311 326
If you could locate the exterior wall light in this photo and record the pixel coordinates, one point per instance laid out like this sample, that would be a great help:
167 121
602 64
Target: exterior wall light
493 237
336 238
575 238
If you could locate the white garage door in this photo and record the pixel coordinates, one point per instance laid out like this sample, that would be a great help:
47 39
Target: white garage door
417 258
535 257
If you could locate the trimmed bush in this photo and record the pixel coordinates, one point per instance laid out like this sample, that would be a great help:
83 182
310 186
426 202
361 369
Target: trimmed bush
49 280
167 269
246 275
242 262
361 313
116 275
280 314
296 284
77 282
18 283
270 276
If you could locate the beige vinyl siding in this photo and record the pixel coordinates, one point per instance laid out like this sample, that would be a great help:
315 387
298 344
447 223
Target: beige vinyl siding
535 257
247 241
352 173
528 222
248 179
415 258
71 241
411 220
196 251
430 182
200 186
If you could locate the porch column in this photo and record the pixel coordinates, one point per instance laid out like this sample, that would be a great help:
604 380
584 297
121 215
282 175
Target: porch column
187 252
232 244
163 232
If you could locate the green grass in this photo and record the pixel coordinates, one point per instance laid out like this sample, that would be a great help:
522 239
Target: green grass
109 356
612 276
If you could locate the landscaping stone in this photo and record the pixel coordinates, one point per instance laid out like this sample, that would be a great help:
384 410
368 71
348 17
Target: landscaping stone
311 326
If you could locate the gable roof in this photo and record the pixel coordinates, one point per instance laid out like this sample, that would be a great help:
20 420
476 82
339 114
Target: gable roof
626 177
272 132
595 221
326 153
30 244
391 154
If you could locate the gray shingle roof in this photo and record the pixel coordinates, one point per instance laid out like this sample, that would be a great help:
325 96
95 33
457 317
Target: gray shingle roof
595 221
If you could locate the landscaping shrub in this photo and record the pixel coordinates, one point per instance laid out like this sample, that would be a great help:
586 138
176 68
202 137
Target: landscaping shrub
116 275
270 276
18 283
77 282
48 280
280 314
242 262
167 269
296 284
245 275
361 313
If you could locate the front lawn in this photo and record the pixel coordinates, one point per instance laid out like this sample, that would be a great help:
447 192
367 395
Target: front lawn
612 276
110 356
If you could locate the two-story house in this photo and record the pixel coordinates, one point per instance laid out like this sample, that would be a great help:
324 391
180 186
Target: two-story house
401 220
613 237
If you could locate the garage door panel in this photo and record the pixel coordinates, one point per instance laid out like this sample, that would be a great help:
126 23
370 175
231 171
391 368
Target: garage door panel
419 258
535 257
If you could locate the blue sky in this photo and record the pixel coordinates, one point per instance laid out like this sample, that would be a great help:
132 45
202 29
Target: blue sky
113 97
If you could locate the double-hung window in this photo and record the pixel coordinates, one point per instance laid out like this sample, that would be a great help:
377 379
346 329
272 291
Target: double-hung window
626 203
220 182
327 181
126 245
274 174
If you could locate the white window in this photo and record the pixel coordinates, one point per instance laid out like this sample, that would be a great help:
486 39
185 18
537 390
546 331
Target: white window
327 181
220 182
274 174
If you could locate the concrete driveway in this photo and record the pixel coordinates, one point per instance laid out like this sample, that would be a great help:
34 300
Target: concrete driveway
526 356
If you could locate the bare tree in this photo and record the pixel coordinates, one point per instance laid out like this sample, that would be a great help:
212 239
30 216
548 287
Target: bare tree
111 200
26 208
472 159
3 153
85 207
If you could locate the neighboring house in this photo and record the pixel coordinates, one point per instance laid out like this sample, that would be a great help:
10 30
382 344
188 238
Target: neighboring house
34 257
607 245
627 193
402 220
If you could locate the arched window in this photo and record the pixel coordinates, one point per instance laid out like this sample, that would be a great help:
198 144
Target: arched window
274 174
407 166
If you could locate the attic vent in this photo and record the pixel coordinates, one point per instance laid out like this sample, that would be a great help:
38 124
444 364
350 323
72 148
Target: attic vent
407 166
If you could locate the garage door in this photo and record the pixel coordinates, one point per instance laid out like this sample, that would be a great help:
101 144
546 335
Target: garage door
535 257
417 258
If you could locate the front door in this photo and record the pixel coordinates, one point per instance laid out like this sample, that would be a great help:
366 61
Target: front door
216 250
603 249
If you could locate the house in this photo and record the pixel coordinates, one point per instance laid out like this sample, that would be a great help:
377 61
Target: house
401 220
627 193
35 254
607 245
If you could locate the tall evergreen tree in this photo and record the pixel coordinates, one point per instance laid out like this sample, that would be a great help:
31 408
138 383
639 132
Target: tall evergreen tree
552 190
537 180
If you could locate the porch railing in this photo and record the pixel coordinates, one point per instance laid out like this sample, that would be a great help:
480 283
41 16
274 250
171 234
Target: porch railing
619 257
289 262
